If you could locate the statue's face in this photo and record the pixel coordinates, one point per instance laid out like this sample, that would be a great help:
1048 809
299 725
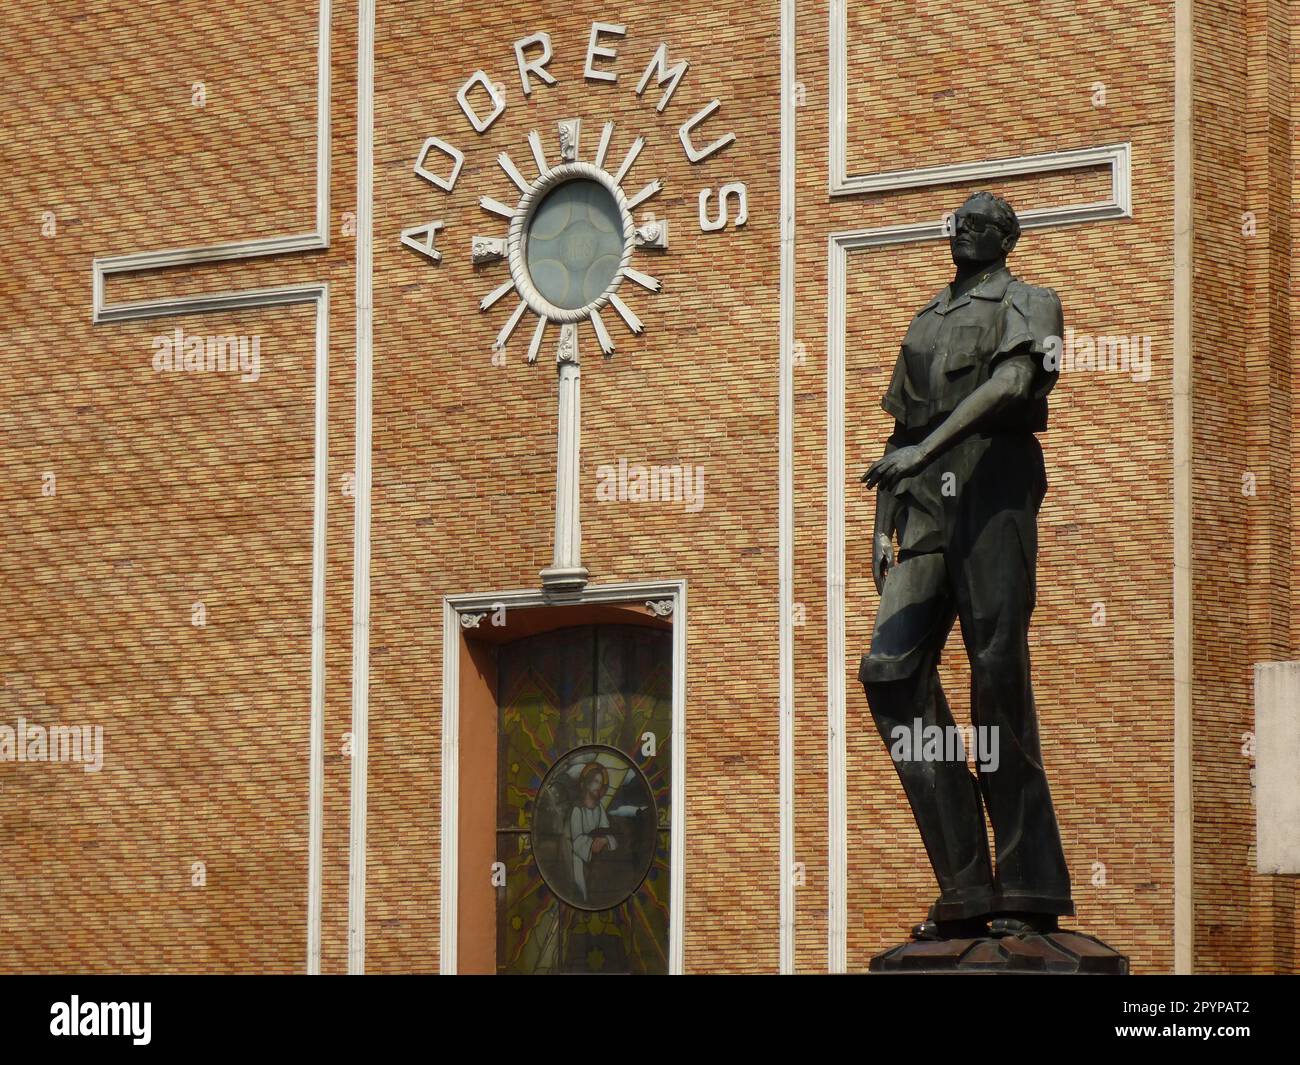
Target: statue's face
976 236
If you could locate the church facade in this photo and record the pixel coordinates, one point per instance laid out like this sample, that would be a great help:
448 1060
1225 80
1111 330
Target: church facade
433 533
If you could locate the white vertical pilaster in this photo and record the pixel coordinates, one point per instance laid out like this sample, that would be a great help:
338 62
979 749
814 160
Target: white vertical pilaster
566 571
359 781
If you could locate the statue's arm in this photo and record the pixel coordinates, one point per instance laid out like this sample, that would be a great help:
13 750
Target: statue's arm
882 540
1010 384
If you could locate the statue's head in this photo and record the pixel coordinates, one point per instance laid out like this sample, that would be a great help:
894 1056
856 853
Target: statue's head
984 230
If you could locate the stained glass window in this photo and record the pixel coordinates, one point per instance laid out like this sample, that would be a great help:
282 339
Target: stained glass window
585 772
575 243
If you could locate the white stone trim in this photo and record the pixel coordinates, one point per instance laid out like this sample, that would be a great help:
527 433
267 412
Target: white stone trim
1117 156
517 239
633 593
361 503
785 496
318 239
1183 340
318 295
566 571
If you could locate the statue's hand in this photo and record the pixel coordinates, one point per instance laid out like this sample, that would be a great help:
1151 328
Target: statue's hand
882 560
894 467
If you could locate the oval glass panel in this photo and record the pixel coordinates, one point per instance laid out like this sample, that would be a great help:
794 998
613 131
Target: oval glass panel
574 243
595 828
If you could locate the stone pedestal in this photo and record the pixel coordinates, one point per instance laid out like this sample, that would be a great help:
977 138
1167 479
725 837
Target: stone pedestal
1060 953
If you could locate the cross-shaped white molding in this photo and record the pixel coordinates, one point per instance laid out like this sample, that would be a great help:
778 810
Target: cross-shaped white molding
317 294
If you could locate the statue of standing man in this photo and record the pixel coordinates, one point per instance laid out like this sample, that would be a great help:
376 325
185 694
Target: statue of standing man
960 483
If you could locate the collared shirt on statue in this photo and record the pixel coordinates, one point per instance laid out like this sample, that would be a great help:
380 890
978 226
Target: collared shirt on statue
953 346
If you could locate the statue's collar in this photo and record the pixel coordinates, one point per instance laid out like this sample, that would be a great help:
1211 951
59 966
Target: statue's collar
991 286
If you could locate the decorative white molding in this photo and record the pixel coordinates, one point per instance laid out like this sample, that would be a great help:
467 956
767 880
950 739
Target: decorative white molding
517 239
360 768
318 296
569 129
652 235
453 607
472 621
1117 156
660 607
317 240
785 493
1184 282
486 250
567 349
566 571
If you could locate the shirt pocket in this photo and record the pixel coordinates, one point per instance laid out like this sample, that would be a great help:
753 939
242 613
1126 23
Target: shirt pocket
965 348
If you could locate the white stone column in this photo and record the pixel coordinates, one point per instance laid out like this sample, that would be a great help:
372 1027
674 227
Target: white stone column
1277 756
566 572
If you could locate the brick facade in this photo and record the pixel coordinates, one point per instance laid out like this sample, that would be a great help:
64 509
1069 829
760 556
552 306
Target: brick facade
184 488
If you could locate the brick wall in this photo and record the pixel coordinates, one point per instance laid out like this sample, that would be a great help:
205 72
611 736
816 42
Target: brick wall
174 489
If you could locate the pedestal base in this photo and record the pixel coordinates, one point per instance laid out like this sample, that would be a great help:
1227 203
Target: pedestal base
564 578
1056 953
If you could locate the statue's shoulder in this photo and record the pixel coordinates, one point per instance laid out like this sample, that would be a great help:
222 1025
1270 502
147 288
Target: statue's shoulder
1022 293
932 302
1038 305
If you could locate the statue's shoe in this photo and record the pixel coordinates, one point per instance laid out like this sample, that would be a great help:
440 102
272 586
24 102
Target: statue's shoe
932 931
1024 924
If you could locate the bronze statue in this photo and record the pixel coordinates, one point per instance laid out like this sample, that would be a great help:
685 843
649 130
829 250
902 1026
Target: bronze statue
961 482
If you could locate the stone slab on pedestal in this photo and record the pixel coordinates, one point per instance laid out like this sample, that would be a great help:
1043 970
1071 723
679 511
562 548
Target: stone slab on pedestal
1056 953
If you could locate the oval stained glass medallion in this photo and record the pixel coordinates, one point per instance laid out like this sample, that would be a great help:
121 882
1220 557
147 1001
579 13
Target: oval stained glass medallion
574 243
595 828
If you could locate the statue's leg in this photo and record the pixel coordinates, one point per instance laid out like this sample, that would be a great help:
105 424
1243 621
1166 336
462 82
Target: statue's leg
994 582
901 680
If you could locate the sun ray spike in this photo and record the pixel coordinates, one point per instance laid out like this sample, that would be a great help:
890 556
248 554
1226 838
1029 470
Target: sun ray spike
605 135
509 327
625 312
644 280
496 207
512 172
650 190
629 159
496 294
535 345
602 334
539 156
